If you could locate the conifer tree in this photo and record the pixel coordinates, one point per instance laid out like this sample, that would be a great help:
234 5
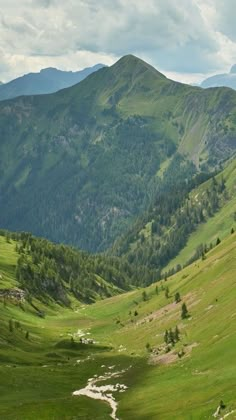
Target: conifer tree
166 337
184 311
171 337
144 295
177 297
176 333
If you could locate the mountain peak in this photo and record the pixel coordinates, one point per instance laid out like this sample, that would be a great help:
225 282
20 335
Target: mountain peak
233 69
49 70
132 63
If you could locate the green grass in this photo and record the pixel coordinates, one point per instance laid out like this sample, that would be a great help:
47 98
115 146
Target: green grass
189 388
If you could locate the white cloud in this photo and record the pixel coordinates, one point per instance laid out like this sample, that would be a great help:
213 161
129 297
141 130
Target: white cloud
190 37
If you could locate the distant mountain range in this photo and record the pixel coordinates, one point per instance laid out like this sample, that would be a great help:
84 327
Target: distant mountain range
219 80
48 80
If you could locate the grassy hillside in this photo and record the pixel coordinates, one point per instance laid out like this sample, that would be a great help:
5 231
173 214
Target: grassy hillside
217 226
80 165
58 274
40 373
183 221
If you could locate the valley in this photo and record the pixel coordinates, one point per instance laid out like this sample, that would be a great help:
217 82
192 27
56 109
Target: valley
40 373
118 250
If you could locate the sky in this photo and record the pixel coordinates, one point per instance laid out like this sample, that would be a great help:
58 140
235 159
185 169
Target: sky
186 40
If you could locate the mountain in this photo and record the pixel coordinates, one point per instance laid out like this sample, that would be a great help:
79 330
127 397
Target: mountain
227 80
48 80
80 165
126 343
183 225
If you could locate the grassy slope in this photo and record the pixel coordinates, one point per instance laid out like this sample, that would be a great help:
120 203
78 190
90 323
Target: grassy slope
217 226
191 388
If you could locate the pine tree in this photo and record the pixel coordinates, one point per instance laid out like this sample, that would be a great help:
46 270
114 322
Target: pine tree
222 405
218 241
144 295
184 311
166 337
171 337
232 231
177 297
148 347
167 292
176 333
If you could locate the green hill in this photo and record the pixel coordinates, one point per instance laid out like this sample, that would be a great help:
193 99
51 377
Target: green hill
80 165
185 378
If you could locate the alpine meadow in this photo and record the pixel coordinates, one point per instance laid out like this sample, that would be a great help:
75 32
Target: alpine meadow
118 212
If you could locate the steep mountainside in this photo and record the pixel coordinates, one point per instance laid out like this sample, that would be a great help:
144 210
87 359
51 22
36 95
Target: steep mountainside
48 80
227 80
218 225
80 165
183 225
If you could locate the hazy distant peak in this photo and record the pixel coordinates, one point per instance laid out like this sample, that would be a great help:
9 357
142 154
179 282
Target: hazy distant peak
47 80
49 69
233 69
219 80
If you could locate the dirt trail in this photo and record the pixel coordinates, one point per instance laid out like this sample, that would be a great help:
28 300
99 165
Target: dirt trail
100 392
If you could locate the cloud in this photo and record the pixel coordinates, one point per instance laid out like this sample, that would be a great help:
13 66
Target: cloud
224 17
188 36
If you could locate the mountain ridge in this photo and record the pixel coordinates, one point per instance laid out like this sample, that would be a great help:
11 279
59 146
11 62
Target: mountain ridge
47 80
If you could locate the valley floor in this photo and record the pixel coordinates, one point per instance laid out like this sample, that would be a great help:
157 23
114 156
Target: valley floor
115 349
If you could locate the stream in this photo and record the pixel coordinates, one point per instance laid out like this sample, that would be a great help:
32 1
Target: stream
103 392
